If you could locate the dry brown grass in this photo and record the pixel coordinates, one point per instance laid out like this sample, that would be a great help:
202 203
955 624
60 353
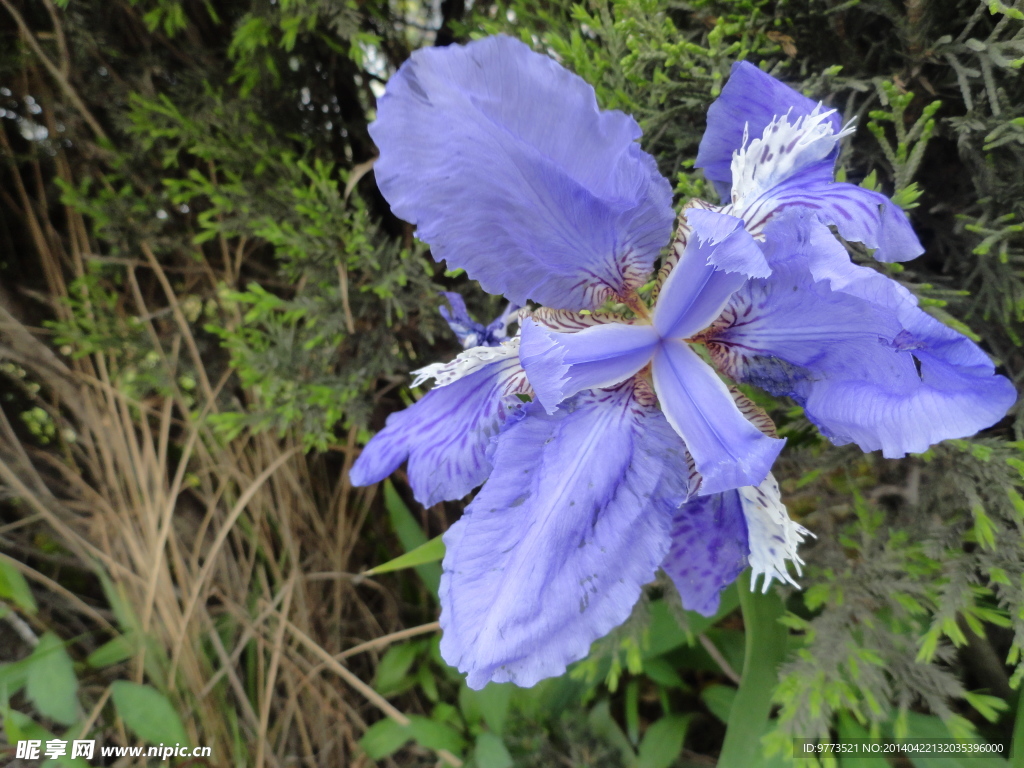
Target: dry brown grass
231 563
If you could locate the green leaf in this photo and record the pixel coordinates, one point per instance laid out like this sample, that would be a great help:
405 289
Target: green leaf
493 700
113 651
51 683
719 699
929 727
766 648
430 552
383 738
601 721
13 587
148 713
119 604
393 670
21 727
490 752
13 677
848 728
410 535
663 741
436 735
664 674
665 634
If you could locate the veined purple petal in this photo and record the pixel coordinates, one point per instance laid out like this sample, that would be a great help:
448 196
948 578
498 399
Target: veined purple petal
865 362
732 248
715 537
553 552
802 147
446 434
468 331
559 365
709 549
747 105
497 331
859 214
510 171
695 292
727 449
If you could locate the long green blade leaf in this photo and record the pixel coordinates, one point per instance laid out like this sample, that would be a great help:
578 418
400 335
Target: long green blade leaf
765 650
430 552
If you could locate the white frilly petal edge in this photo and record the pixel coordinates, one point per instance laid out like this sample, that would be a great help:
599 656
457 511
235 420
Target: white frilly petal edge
773 537
783 149
465 363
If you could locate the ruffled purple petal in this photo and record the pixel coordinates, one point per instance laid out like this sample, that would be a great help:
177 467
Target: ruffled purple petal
709 549
445 435
854 349
467 330
715 537
558 365
695 292
860 215
497 331
730 247
510 171
748 103
727 449
553 552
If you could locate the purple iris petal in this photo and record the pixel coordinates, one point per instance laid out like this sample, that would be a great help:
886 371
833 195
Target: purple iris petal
468 331
445 435
748 103
510 171
859 214
709 549
553 552
727 449
853 348
732 249
559 365
694 294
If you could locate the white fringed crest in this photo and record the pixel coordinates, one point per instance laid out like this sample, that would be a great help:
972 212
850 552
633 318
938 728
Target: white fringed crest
467 362
772 537
783 149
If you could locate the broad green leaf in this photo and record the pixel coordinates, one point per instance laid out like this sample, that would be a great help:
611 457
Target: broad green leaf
393 670
430 552
13 587
384 738
491 752
436 735
410 535
663 741
148 713
51 684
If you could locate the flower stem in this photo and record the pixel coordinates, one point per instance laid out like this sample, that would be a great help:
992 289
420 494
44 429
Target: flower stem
765 650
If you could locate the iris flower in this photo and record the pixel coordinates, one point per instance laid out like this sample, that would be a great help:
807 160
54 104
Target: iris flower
610 443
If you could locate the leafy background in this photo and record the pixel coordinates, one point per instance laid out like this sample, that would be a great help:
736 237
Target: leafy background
206 308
